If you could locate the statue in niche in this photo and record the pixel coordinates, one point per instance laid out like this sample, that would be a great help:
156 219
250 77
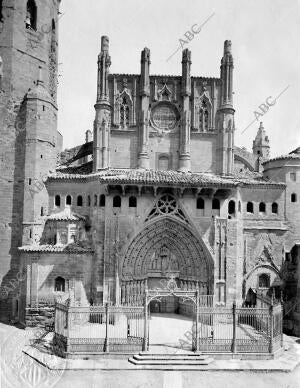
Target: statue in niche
164 261
154 262
165 256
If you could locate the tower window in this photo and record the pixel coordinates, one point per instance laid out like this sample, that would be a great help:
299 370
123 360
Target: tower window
132 201
231 207
95 200
1 14
79 200
53 25
240 207
264 281
89 200
200 203
117 201
29 181
57 200
215 204
293 197
102 200
60 284
68 200
249 207
274 208
262 207
31 15
42 211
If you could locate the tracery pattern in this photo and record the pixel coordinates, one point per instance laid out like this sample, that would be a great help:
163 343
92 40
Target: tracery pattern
166 204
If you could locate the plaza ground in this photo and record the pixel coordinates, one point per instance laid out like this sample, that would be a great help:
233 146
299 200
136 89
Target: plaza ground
11 353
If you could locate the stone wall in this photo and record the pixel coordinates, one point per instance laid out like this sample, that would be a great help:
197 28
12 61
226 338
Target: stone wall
22 52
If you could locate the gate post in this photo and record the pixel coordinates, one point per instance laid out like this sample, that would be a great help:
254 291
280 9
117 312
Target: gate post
233 348
106 343
196 326
281 324
145 343
271 316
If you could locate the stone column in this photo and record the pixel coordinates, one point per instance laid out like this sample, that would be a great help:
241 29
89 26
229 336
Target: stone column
143 155
296 314
184 152
103 110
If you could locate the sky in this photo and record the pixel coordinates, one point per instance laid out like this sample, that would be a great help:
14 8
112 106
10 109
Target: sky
265 47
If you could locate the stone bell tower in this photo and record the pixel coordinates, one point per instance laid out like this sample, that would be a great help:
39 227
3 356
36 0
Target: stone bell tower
28 126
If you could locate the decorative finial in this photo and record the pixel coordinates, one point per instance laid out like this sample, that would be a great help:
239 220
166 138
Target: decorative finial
145 55
104 43
186 55
227 47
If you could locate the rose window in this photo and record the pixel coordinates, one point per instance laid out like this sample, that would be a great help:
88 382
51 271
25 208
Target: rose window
166 204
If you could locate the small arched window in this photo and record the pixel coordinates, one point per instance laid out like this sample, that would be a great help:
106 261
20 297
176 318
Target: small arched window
68 200
264 280
79 200
132 201
31 15
215 204
200 203
95 200
117 201
249 207
53 25
293 197
60 284
57 200
262 207
102 200
231 207
240 207
89 200
274 208
42 211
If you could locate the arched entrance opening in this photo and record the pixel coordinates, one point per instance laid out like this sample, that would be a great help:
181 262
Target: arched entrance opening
167 250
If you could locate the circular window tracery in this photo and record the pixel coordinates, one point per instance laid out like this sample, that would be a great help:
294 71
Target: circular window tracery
166 204
164 117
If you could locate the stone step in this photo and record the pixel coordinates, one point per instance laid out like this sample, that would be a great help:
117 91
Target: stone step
147 358
170 362
169 356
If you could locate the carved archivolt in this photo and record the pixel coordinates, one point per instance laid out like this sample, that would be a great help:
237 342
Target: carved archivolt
170 235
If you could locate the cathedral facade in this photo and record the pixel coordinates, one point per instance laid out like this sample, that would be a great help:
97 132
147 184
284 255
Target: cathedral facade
159 191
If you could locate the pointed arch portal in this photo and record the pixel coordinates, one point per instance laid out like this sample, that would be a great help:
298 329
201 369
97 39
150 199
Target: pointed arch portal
168 246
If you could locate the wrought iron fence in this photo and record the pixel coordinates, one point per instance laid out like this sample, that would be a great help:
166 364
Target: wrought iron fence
239 330
97 329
